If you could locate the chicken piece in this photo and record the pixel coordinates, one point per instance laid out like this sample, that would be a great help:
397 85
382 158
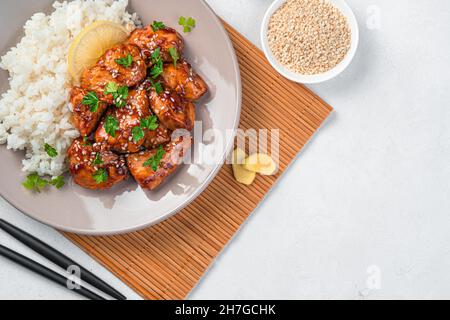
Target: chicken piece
131 133
85 117
155 138
96 79
182 79
93 166
172 111
148 41
128 75
164 159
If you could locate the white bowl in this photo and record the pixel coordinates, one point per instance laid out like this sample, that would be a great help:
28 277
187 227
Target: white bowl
301 78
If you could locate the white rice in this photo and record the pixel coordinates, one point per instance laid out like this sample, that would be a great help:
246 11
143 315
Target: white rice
34 111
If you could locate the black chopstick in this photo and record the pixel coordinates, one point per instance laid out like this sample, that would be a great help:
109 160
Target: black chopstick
58 258
44 271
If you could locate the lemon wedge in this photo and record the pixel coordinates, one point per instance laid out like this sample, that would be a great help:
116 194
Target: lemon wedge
241 174
260 163
91 43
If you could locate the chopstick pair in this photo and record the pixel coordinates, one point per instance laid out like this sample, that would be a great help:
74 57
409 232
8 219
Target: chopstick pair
57 258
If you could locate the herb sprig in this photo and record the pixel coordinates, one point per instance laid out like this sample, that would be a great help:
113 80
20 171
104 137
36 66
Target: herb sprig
150 123
100 176
188 24
126 62
50 150
98 160
158 66
111 125
138 133
58 182
91 100
120 94
34 182
155 161
158 25
174 54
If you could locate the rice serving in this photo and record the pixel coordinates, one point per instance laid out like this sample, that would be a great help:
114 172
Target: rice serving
34 111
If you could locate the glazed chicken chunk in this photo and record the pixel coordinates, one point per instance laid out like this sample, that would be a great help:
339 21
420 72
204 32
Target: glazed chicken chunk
150 168
93 166
127 129
172 111
125 63
148 41
96 79
183 80
85 117
121 66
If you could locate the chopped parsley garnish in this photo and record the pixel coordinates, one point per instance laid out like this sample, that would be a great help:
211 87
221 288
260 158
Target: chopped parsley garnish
187 23
138 133
156 55
91 99
158 67
58 182
120 94
98 160
157 86
34 182
126 62
158 25
100 176
174 54
111 125
111 88
150 123
155 160
50 150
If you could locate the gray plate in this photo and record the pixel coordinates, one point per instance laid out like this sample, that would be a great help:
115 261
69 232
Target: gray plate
127 207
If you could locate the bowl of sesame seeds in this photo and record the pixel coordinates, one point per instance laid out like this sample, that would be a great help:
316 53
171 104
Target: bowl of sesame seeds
309 41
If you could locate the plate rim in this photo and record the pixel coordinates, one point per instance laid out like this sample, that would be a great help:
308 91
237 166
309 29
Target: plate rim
201 188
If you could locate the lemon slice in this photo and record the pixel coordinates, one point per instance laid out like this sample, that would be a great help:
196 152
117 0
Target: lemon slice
91 43
241 174
261 163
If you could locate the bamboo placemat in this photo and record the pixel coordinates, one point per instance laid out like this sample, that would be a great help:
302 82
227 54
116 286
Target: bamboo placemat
167 260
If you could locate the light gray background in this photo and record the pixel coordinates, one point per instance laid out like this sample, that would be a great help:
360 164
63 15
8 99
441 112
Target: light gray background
369 193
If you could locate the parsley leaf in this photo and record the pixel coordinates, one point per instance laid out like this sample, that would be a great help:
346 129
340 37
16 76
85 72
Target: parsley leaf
157 86
121 97
34 182
138 133
187 23
100 176
111 125
158 25
111 88
126 62
150 123
174 54
120 94
91 99
156 55
58 182
155 160
158 66
98 160
50 150
157 69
